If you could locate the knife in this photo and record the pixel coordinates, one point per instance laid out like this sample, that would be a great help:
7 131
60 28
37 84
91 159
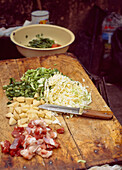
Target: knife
78 111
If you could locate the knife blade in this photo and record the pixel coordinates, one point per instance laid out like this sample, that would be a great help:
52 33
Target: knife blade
78 111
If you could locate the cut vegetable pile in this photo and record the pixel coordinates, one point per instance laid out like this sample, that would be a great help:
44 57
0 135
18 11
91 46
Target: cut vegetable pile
41 42
61 90
37 87
24 109
51 86
31 83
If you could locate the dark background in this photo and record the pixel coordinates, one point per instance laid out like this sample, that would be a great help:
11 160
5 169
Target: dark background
83 17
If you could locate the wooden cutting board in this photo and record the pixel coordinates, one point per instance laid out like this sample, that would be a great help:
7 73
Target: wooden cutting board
96 141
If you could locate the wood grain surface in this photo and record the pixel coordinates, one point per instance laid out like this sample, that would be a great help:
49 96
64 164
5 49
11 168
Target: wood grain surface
96 141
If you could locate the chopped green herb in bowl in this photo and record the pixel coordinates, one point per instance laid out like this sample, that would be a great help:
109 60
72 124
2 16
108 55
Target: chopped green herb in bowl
41 42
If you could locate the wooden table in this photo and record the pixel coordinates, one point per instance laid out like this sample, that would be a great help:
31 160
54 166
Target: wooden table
96 141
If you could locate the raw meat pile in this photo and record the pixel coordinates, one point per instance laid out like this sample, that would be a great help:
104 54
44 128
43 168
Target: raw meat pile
37 138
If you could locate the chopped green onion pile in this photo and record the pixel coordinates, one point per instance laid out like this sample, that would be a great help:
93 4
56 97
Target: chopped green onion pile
32 83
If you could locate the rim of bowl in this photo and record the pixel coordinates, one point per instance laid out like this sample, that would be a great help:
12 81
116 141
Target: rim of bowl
40 13
43 25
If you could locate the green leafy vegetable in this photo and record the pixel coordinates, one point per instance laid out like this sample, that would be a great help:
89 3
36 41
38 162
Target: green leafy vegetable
41 42
32 82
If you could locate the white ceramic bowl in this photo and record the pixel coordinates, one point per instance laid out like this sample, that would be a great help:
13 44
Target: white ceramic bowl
60 35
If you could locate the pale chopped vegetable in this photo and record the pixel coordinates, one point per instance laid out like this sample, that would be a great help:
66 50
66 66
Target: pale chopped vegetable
16 116
61 90
12 121
18 109
20 99
56 121
22 114
82 161
36 102
11 109
29 100
23 121
9 115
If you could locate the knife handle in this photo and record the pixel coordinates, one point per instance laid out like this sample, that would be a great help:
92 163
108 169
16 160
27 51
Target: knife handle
97 114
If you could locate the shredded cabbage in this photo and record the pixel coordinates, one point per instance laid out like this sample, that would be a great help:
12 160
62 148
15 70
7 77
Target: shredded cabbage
61 90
